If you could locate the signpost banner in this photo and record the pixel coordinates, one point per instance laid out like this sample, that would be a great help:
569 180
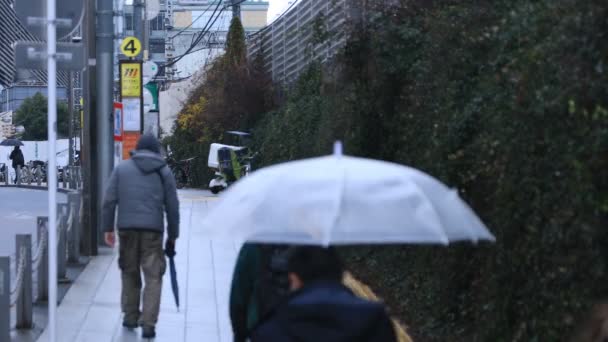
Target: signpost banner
130 47
131 114
130 79
152 87
129 142
118 119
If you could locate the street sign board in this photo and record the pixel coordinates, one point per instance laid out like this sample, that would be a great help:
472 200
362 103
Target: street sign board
149 104
32 14
130 79
33 55
130 47
153 88
118 109
131 114
150 70
129 143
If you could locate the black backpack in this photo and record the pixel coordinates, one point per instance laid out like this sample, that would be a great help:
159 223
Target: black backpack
273 283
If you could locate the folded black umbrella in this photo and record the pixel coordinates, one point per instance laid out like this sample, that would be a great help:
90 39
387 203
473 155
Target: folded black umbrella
170 253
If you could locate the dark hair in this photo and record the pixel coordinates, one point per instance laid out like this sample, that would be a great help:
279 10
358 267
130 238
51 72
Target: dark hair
312 263
595 326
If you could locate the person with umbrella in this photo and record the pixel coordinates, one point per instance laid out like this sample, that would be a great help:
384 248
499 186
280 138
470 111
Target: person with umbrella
142 188
320 308
339 200
259 285
18 160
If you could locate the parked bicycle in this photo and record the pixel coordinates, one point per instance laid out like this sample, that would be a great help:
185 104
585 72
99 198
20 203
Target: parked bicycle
181 170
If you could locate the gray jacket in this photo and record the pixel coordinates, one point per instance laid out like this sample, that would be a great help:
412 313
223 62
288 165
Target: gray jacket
142 187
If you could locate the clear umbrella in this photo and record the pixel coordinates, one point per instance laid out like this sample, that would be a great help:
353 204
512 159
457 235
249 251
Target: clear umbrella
337 200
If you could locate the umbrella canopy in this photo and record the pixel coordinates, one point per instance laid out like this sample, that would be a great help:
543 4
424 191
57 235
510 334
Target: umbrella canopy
343 200
11 142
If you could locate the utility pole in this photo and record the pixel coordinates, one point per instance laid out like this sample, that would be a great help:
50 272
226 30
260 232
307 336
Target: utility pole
71 117
105 103
88 152
236 8
138 19
51 39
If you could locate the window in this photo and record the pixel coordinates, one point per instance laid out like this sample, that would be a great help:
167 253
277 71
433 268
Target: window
157 46
158 23
129 21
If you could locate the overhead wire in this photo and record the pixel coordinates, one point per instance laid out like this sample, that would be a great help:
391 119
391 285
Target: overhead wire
193 21
199 37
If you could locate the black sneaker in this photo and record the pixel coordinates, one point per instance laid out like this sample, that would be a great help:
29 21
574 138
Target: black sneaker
148 332
130 324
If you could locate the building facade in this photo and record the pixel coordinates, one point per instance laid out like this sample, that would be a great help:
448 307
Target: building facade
13 96
188 19
312 30
7 129
17 85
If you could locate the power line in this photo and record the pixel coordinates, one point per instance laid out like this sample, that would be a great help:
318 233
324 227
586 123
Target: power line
200 36
193 21
202 33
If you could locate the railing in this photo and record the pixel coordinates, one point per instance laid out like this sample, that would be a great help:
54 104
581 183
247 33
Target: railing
69 177
19 293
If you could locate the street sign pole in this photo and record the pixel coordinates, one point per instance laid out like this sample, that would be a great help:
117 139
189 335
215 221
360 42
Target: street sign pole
105 104
52 167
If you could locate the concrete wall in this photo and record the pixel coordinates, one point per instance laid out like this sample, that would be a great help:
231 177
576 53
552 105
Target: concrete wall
182 19
254 19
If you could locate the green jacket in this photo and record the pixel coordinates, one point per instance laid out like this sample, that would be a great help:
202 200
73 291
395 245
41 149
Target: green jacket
244 309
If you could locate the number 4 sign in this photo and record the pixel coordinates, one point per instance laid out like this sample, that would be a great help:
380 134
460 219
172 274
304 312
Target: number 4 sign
130 47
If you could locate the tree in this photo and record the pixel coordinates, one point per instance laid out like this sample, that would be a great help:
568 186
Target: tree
33 115
232 95
236 49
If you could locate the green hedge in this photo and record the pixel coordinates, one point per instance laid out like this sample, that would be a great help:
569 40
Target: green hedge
504 100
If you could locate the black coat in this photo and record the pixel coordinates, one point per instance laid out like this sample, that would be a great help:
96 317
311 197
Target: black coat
327 312
17 158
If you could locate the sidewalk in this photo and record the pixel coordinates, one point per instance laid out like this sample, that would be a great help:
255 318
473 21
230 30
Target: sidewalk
90 312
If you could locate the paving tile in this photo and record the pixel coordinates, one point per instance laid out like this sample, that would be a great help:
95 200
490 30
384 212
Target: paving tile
90 311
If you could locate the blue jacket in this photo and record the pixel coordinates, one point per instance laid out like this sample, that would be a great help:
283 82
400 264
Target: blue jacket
328 312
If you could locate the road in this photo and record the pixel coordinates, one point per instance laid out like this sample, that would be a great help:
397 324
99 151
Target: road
18 213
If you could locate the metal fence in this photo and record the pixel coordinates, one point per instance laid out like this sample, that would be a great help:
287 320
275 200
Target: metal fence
69 177
31 262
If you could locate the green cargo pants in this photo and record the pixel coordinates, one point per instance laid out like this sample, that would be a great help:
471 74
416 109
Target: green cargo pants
141 251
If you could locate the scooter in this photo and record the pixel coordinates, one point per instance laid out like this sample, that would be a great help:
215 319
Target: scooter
230 162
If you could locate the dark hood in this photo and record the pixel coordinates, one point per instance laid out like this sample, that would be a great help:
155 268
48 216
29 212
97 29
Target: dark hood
332 311
148 161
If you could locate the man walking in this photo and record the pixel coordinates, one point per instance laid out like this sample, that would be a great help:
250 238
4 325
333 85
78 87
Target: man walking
141 188
18 161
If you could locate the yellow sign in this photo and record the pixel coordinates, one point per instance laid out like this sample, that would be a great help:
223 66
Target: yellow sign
130 79
130 47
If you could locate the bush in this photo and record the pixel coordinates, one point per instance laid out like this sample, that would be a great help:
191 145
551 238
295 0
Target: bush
505 101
